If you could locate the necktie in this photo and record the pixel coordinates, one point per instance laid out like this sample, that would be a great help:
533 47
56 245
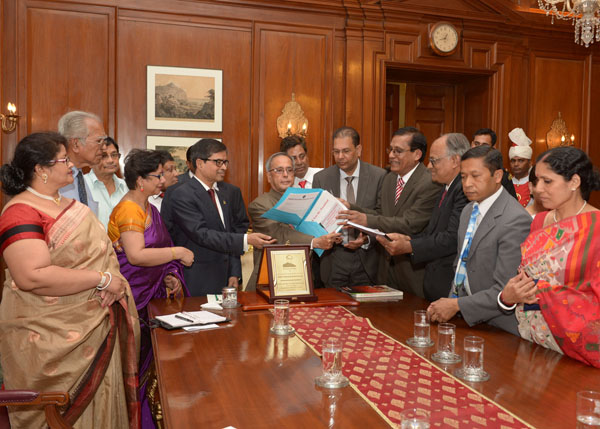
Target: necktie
162 195
399 187
350 190
461 270
211 192
83 199
443 196
302 183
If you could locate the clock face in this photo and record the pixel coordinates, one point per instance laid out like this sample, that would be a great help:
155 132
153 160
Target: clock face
444 37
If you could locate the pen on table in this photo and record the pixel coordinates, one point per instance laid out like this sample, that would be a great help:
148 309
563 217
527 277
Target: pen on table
184 318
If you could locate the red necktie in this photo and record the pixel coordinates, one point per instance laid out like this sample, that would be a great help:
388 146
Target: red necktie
211 192
302 183
399 188
162 195
443 196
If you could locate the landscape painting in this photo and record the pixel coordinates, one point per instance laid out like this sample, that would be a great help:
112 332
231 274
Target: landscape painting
184 98
176 146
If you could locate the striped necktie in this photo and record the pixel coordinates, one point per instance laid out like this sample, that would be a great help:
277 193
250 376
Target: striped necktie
461 270
399 188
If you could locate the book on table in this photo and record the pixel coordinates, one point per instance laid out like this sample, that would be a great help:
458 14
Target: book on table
373 293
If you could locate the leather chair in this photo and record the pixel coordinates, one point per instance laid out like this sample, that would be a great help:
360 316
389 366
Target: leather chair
50 401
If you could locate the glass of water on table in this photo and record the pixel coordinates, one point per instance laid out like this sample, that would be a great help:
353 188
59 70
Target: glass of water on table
421 337
332 377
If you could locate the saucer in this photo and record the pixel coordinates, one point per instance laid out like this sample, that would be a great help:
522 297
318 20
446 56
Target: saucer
280 332
419 342
470 376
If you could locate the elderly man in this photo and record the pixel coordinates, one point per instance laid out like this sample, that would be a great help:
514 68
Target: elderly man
408 197
105 186
85 142
520 163
295 147
436 245
201 219
280 175
492 228
354 263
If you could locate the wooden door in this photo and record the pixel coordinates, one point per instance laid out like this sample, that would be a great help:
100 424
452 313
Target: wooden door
430 107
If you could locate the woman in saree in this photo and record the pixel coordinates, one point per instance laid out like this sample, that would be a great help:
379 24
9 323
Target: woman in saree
558 287
148 259
67 317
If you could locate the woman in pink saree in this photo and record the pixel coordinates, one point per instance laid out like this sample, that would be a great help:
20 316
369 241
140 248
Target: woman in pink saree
558 287
67 317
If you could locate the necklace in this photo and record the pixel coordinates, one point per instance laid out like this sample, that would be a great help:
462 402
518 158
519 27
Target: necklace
580 210
46 197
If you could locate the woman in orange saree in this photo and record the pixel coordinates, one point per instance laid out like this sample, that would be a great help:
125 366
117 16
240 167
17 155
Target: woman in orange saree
67 317
558 288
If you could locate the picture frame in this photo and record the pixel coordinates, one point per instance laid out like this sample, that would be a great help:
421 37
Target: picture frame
180 98
285 273
176 146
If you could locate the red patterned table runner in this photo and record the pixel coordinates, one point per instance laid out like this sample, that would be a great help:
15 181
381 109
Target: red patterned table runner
392 377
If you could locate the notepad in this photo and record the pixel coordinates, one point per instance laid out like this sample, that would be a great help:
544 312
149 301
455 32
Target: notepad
189 318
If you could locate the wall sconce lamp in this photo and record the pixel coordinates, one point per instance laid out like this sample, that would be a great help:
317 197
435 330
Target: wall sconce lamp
558 135
9 122
292 120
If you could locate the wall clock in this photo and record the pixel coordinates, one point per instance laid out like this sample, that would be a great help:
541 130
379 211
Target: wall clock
443 38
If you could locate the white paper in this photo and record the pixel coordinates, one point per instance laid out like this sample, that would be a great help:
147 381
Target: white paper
196 318
325 212
218 298
298 204
200 327
211 306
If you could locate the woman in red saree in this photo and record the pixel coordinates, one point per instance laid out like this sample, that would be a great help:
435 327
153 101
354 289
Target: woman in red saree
67 317
558 287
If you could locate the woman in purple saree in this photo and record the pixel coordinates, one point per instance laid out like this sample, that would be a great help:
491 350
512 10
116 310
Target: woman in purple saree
148 259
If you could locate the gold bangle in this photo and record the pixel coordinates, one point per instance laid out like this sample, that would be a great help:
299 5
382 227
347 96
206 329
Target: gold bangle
173 254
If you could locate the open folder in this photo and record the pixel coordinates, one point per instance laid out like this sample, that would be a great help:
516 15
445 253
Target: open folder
310 211
188 318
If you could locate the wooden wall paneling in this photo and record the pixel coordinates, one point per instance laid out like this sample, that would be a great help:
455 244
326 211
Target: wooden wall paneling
557 86
8 70
372 133
67 56
293 59
594 133
354 81
189 42
338 105
476 95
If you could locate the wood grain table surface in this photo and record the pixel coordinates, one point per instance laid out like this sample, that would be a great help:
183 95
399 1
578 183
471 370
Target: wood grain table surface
242 376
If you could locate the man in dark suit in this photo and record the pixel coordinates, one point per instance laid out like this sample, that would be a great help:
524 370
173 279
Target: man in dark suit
280 175
354 262
408 197
436 245
201 220
486 136
492 227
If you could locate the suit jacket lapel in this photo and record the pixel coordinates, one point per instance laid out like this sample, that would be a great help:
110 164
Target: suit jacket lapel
408 187
224 207
334 184
363 184
206 201
488 222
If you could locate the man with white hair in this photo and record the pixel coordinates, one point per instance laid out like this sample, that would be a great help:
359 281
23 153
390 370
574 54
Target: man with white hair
85 143
520 164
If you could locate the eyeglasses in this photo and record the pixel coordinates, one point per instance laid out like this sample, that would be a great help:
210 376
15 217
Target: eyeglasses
396 151
114 155
281 170
337 152
158 176
218 162
435 161
66 160
100 140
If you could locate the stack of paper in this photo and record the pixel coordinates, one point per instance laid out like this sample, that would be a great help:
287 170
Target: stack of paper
373 293
190 318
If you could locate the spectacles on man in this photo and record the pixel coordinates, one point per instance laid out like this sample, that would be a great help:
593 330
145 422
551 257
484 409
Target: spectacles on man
114 155
435 161
100 140
281 170
396 151
218 162
158 176
66 160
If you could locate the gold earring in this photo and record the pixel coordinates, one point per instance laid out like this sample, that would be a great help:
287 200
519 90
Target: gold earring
45 178
142 188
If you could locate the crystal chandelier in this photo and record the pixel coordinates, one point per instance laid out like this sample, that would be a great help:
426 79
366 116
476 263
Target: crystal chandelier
584 13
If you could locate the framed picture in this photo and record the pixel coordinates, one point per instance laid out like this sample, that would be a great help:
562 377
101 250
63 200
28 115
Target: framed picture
184 99
176 146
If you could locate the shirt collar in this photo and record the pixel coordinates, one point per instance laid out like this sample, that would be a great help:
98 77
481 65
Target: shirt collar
485 205
410 173
205 186
356 173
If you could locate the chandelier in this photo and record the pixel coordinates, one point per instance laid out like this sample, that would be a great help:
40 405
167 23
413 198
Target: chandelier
584 13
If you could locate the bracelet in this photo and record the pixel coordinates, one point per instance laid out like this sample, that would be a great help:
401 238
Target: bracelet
173 254
107 284
503 305
102 279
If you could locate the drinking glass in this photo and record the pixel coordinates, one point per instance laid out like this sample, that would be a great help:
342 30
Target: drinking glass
229 297
588 409
472 369
421 331
281 318
445 344
414 418
332 377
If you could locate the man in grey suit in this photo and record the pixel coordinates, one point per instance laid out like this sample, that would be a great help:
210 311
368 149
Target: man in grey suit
408 196
354 262
492 227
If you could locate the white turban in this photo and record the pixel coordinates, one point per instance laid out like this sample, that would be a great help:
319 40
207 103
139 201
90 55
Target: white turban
522 142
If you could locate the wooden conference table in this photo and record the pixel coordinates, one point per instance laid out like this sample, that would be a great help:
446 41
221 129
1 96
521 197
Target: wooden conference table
239 375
